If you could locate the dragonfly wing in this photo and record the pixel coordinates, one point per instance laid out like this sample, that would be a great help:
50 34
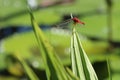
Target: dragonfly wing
63 24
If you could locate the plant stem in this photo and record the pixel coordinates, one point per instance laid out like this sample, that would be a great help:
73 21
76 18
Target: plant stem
109 71
109 20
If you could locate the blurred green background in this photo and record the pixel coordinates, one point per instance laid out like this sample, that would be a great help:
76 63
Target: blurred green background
16 35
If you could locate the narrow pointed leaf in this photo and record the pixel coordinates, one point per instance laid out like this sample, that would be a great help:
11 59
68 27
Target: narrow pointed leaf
53 66
81 65
70 73
27 69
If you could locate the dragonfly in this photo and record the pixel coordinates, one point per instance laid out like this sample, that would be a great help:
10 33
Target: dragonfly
75 21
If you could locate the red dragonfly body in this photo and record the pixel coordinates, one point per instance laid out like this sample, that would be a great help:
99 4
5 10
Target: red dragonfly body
76 20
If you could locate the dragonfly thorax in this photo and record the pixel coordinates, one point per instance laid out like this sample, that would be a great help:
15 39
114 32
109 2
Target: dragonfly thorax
76 20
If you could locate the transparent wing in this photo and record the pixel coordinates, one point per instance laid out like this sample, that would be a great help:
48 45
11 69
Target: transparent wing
63 24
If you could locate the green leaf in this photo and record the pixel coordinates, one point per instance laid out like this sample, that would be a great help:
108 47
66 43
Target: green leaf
109 71
70 74
81 65
53 66
27 69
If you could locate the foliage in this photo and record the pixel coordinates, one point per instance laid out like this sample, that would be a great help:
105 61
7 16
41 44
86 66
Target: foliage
27 69
82 68
81 65
53 66
99 30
